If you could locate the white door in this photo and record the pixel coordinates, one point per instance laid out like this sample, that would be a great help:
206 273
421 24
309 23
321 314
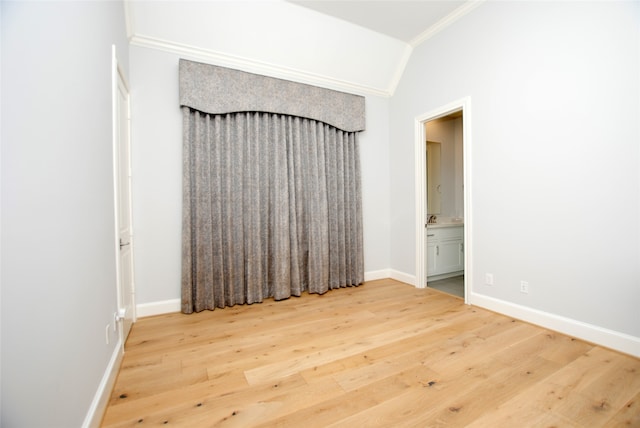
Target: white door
122 164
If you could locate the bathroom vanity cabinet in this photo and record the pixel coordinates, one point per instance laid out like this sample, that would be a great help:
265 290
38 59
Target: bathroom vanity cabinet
445 250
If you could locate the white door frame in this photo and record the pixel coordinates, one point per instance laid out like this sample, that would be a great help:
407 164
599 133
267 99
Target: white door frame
122 316
421 189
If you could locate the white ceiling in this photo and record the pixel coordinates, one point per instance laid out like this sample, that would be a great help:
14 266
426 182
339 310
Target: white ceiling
355 46
400 19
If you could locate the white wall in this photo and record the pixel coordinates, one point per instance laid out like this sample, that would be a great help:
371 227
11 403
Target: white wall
274 38
555 102
157 181
58 242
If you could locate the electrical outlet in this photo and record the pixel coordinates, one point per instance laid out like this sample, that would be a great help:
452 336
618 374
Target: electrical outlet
488 278
524 287
106 334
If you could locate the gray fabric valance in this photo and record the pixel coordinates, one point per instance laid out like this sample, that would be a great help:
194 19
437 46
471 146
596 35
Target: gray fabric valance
239 91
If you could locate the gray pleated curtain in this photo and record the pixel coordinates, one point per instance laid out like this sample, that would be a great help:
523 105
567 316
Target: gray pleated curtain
271 208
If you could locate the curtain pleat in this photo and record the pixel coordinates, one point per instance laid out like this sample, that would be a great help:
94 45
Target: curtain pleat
271 208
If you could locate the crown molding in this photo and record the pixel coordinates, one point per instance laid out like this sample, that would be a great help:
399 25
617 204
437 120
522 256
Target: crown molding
245 64
395 81
446 21
128 18
273 70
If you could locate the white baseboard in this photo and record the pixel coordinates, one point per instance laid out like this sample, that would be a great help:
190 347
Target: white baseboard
101 398
174 305
377 274
158 308
402 277
591 333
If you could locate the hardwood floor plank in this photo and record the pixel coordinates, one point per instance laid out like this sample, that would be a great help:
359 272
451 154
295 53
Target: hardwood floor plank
423 349
628 415
456 394
181 405
261 341
337 409
134 387
601 398
382 354
327 353
562 396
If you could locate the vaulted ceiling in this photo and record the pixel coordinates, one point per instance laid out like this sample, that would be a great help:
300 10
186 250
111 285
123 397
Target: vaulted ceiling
403 20
357 46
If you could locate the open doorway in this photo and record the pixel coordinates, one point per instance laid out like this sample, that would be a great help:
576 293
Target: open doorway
442 199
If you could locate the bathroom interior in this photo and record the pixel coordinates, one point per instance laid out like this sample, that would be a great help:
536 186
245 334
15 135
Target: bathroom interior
445 204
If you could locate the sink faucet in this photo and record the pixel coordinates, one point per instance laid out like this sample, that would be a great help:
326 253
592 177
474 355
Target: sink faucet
432 219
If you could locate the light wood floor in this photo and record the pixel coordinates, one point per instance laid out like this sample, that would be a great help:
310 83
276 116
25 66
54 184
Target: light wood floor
382 354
